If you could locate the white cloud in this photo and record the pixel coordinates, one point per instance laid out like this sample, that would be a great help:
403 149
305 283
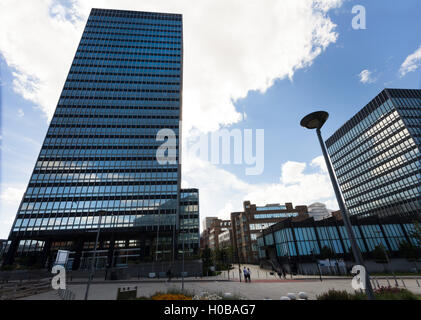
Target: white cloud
20 113
411 63
366 76
221 192
231 47
10 198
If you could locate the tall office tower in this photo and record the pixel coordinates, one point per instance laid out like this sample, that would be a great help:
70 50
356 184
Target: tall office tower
98 162
376 156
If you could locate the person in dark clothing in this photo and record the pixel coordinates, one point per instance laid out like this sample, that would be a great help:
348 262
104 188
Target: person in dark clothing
169 274
245 274
248 274
279 272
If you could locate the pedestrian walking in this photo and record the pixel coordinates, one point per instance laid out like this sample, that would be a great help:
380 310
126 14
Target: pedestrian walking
169 274
249 274
245 274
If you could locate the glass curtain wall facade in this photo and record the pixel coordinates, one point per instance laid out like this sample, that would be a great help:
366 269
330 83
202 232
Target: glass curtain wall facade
189 223
303 241
98 161
376 156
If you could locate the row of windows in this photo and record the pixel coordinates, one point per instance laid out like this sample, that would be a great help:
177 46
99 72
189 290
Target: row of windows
382 162
367 142
404 102
100 82
387 200
388 187
105 130
120 120
104 33
345 142
69 191
108 142
114 17
169 112
116 101
261 226
77 90
388 171
112 66
387 121
144 86
99 174
376 151
127 53
139 49
121 77
132 31
269 208
120 24
105 27
88 122
392 177
124 39
78 205
103 164
93 222
126 71
275 215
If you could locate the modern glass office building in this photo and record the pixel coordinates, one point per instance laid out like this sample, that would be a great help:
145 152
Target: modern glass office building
98 163
297 245
376 156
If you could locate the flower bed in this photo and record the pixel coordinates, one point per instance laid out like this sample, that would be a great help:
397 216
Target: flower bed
169 296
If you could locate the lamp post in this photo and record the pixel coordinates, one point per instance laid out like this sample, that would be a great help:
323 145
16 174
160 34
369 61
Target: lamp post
316 120
94 257
182 268
317 264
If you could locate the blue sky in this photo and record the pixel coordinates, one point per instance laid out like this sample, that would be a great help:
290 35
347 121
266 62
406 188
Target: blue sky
330 82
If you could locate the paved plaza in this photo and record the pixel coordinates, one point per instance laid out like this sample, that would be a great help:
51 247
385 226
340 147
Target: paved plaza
263 286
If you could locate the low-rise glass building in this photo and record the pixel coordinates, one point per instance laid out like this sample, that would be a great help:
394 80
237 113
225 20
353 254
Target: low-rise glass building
293 244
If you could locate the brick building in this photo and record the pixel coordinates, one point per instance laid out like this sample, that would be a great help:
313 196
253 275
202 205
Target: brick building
248 225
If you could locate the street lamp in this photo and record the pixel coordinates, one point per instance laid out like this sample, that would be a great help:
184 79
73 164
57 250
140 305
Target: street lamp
316 120
94 257
182 269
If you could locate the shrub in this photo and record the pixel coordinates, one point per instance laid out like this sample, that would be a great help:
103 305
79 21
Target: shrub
389 293
383 293
336 295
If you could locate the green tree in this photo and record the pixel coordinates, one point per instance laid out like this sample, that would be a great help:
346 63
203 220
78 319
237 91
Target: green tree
410 252
379 256
222 257
207 260
417 231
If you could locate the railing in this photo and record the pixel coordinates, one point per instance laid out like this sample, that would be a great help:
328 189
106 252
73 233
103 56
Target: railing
15 290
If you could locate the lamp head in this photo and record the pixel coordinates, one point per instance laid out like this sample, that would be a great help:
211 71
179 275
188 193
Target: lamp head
315 120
